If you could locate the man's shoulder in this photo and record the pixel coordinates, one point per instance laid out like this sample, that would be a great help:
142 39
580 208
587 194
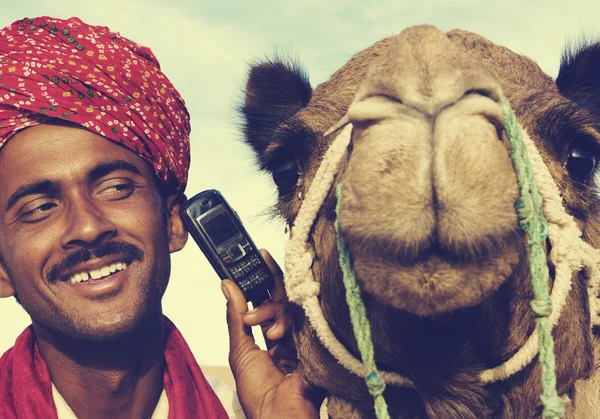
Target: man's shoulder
24 351
7 407
4 361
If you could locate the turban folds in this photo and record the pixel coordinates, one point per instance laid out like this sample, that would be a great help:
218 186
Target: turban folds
52 68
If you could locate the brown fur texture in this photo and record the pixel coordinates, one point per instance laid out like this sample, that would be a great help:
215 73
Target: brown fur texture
427 211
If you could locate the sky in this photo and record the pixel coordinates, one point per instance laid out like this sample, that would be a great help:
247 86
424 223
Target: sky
205 48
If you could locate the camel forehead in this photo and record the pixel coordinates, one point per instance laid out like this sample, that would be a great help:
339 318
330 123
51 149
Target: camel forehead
420 59
416 48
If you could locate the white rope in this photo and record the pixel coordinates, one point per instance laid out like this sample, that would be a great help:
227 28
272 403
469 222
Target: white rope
298 255
569 254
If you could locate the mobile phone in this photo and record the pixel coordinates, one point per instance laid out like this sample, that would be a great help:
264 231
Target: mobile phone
220 234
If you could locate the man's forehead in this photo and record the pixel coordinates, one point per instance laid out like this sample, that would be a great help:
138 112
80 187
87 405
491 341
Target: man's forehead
57 151
42 142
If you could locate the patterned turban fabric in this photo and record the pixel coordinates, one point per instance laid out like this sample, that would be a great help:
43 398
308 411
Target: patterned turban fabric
53 68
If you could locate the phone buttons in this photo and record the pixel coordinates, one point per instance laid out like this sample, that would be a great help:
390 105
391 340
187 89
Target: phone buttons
257 277
225 258
236 272
254 262
236 252
244 285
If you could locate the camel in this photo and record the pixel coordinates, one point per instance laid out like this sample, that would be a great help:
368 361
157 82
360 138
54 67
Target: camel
427 213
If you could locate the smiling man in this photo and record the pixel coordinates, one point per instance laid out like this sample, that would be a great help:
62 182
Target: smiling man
94 155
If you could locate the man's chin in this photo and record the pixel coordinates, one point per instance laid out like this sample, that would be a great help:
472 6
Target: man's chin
104 328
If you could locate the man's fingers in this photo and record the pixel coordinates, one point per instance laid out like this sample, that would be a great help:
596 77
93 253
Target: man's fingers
273 266
272 318
265 313
281 328
278 291
239 333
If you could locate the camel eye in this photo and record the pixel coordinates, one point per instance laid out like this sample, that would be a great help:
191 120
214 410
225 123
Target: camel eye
582 161
286 174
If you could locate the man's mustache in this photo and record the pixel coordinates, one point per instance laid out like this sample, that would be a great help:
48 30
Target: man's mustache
116 247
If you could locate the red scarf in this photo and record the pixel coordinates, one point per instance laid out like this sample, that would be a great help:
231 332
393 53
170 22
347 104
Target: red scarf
94 77
26 389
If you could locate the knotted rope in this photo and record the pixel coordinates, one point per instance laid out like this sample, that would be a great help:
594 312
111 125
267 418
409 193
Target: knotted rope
534 224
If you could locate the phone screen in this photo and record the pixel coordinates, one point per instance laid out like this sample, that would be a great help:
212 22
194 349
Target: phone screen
220 229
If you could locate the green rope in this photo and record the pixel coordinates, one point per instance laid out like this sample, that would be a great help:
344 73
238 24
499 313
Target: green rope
534 224
358 317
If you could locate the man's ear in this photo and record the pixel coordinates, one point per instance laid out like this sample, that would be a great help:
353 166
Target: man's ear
6 286
176 231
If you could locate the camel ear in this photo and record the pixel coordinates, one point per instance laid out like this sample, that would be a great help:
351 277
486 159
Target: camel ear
579 76
275 91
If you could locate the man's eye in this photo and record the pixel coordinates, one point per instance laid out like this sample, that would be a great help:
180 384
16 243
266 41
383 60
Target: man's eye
36 210
116 189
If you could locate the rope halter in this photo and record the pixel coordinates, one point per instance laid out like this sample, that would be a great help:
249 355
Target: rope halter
541 215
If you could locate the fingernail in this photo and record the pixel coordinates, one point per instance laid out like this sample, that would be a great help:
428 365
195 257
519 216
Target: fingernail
225 291
251 311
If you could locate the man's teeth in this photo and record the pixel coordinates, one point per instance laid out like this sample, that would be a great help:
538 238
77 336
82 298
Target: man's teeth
97 273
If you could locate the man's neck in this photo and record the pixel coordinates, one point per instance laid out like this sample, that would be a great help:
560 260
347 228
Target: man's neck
122 378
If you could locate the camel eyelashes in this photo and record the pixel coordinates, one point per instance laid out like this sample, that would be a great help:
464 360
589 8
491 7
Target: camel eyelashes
582 161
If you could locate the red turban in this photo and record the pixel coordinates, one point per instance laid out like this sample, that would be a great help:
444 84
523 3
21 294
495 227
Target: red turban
66 69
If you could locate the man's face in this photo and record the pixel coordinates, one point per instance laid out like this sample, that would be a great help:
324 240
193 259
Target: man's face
74 206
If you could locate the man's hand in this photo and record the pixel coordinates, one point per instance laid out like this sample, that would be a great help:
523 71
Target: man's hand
264 390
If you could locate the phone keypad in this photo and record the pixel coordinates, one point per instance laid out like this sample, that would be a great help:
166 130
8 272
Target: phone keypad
246 271
255 277
245 266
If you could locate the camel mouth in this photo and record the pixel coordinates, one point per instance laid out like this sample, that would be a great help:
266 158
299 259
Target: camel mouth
436 281
397 251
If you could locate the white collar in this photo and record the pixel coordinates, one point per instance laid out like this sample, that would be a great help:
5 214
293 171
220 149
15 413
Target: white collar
65 412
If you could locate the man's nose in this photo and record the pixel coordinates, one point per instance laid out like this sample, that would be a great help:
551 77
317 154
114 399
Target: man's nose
87 225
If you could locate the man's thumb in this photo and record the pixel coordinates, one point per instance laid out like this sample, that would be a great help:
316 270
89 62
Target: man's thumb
239 333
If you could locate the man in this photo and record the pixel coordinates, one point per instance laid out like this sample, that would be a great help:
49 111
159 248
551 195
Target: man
94 155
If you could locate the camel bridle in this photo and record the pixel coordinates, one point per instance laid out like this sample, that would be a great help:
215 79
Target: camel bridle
545 210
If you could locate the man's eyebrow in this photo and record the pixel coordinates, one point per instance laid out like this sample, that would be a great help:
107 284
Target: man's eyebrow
104 169
35 187
50 187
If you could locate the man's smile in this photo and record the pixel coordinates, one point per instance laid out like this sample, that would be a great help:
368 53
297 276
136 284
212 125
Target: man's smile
100 273
99 279
93 264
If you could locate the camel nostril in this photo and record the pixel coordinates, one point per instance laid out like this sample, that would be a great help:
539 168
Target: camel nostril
375 108
483 92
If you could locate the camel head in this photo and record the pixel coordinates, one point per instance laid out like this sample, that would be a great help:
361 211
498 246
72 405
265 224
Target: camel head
427 212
